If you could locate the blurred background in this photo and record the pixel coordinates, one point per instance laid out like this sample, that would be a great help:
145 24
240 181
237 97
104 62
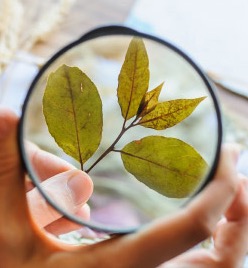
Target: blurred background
213 33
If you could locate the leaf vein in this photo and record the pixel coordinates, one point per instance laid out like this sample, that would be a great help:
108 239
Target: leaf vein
132 86
75 118
157 164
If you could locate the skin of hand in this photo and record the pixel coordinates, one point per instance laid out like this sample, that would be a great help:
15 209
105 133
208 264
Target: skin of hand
24 245
59 179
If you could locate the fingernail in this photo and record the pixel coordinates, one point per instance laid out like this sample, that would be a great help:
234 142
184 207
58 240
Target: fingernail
77 185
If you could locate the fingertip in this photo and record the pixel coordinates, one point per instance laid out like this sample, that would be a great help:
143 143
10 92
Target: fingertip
69 191
80 186
244 186
5 112
243 178
84 212
238 210
233 149
227 171
64 225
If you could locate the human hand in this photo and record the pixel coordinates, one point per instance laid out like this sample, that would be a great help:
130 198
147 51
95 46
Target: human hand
156 243
230 238
71 187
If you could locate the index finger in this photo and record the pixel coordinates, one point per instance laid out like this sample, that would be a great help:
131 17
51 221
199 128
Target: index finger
46 165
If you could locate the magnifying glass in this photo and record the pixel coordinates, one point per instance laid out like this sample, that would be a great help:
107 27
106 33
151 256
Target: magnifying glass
134 112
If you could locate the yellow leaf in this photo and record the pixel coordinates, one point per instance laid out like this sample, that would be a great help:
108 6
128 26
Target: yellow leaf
133 79
73 111
169 113
149 101
167 165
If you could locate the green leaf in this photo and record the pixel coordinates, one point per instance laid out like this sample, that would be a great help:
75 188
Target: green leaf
73 111
169 113
149 101
166 165
133 79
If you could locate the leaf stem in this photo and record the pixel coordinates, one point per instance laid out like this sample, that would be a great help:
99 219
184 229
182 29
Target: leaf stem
110 148
82 166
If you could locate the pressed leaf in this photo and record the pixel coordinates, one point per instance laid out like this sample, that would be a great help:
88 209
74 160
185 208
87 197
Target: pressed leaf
166 165
169 113
149 101
73 111
133 79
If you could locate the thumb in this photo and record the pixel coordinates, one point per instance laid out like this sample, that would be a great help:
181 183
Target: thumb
70 190
15 231
12 191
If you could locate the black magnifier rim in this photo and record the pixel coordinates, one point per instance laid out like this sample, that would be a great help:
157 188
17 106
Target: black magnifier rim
100 32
